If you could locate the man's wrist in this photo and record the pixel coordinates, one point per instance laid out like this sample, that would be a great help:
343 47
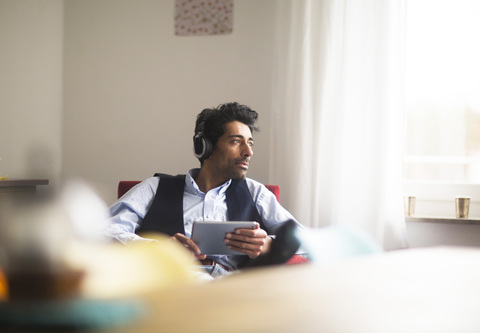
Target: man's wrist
268 244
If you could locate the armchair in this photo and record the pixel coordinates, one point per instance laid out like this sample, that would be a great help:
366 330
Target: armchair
125 185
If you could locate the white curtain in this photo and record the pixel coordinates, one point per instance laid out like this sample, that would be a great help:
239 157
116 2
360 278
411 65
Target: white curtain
338 114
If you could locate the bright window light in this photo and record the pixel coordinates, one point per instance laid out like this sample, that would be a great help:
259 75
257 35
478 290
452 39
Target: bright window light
443 91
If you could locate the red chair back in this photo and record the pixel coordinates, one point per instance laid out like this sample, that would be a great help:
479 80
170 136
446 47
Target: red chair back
275 189
125 185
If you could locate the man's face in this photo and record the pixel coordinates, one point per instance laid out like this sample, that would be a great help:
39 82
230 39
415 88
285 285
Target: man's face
231 155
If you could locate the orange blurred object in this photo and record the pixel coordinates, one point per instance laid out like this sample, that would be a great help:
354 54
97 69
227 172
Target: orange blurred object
3 287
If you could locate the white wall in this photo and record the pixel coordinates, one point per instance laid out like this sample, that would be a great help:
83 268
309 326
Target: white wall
31 44
133 88
424 234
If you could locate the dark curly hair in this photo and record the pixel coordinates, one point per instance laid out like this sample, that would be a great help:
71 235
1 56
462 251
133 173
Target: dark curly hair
212 121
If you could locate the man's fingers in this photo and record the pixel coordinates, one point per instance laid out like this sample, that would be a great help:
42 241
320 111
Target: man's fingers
253 250
250 232
251 244
245 248
247 241
187 242
247 235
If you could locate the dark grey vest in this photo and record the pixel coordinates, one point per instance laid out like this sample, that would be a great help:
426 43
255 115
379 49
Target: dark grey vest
166 212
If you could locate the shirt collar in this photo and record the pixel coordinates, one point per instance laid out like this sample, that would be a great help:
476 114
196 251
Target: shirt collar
192 186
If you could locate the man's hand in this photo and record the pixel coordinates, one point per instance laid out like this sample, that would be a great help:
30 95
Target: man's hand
251 242
189 245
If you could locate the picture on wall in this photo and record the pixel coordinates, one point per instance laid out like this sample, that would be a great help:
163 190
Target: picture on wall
203 17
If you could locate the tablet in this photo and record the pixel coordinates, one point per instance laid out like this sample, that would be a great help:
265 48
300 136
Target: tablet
209 236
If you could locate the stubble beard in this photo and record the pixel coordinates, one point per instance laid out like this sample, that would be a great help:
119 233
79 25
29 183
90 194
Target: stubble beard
238 174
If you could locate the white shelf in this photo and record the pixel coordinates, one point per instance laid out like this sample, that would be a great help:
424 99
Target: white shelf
437 219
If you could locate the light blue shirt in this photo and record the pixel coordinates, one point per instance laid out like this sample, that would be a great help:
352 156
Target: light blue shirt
128 212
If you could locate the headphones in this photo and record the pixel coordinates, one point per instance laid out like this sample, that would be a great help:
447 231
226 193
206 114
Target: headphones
202 147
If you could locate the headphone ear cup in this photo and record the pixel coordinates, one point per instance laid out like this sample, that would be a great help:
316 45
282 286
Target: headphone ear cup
202 148
208 148
197 146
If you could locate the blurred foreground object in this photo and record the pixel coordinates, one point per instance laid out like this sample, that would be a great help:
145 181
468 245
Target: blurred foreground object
54 248
3 287
336 243
33 241
429 290
118 270
61 273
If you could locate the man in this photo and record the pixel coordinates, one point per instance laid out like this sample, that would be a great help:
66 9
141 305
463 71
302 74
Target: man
218 191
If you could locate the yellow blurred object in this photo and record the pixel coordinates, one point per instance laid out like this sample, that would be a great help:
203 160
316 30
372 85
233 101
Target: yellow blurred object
116 270
4 177
3 287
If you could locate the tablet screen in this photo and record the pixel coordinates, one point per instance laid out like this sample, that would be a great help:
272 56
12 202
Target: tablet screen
209 236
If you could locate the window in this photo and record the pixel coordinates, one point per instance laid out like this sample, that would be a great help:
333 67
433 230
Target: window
443 91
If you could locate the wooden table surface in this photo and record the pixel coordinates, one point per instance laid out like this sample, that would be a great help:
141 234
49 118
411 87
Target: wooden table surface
417 290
